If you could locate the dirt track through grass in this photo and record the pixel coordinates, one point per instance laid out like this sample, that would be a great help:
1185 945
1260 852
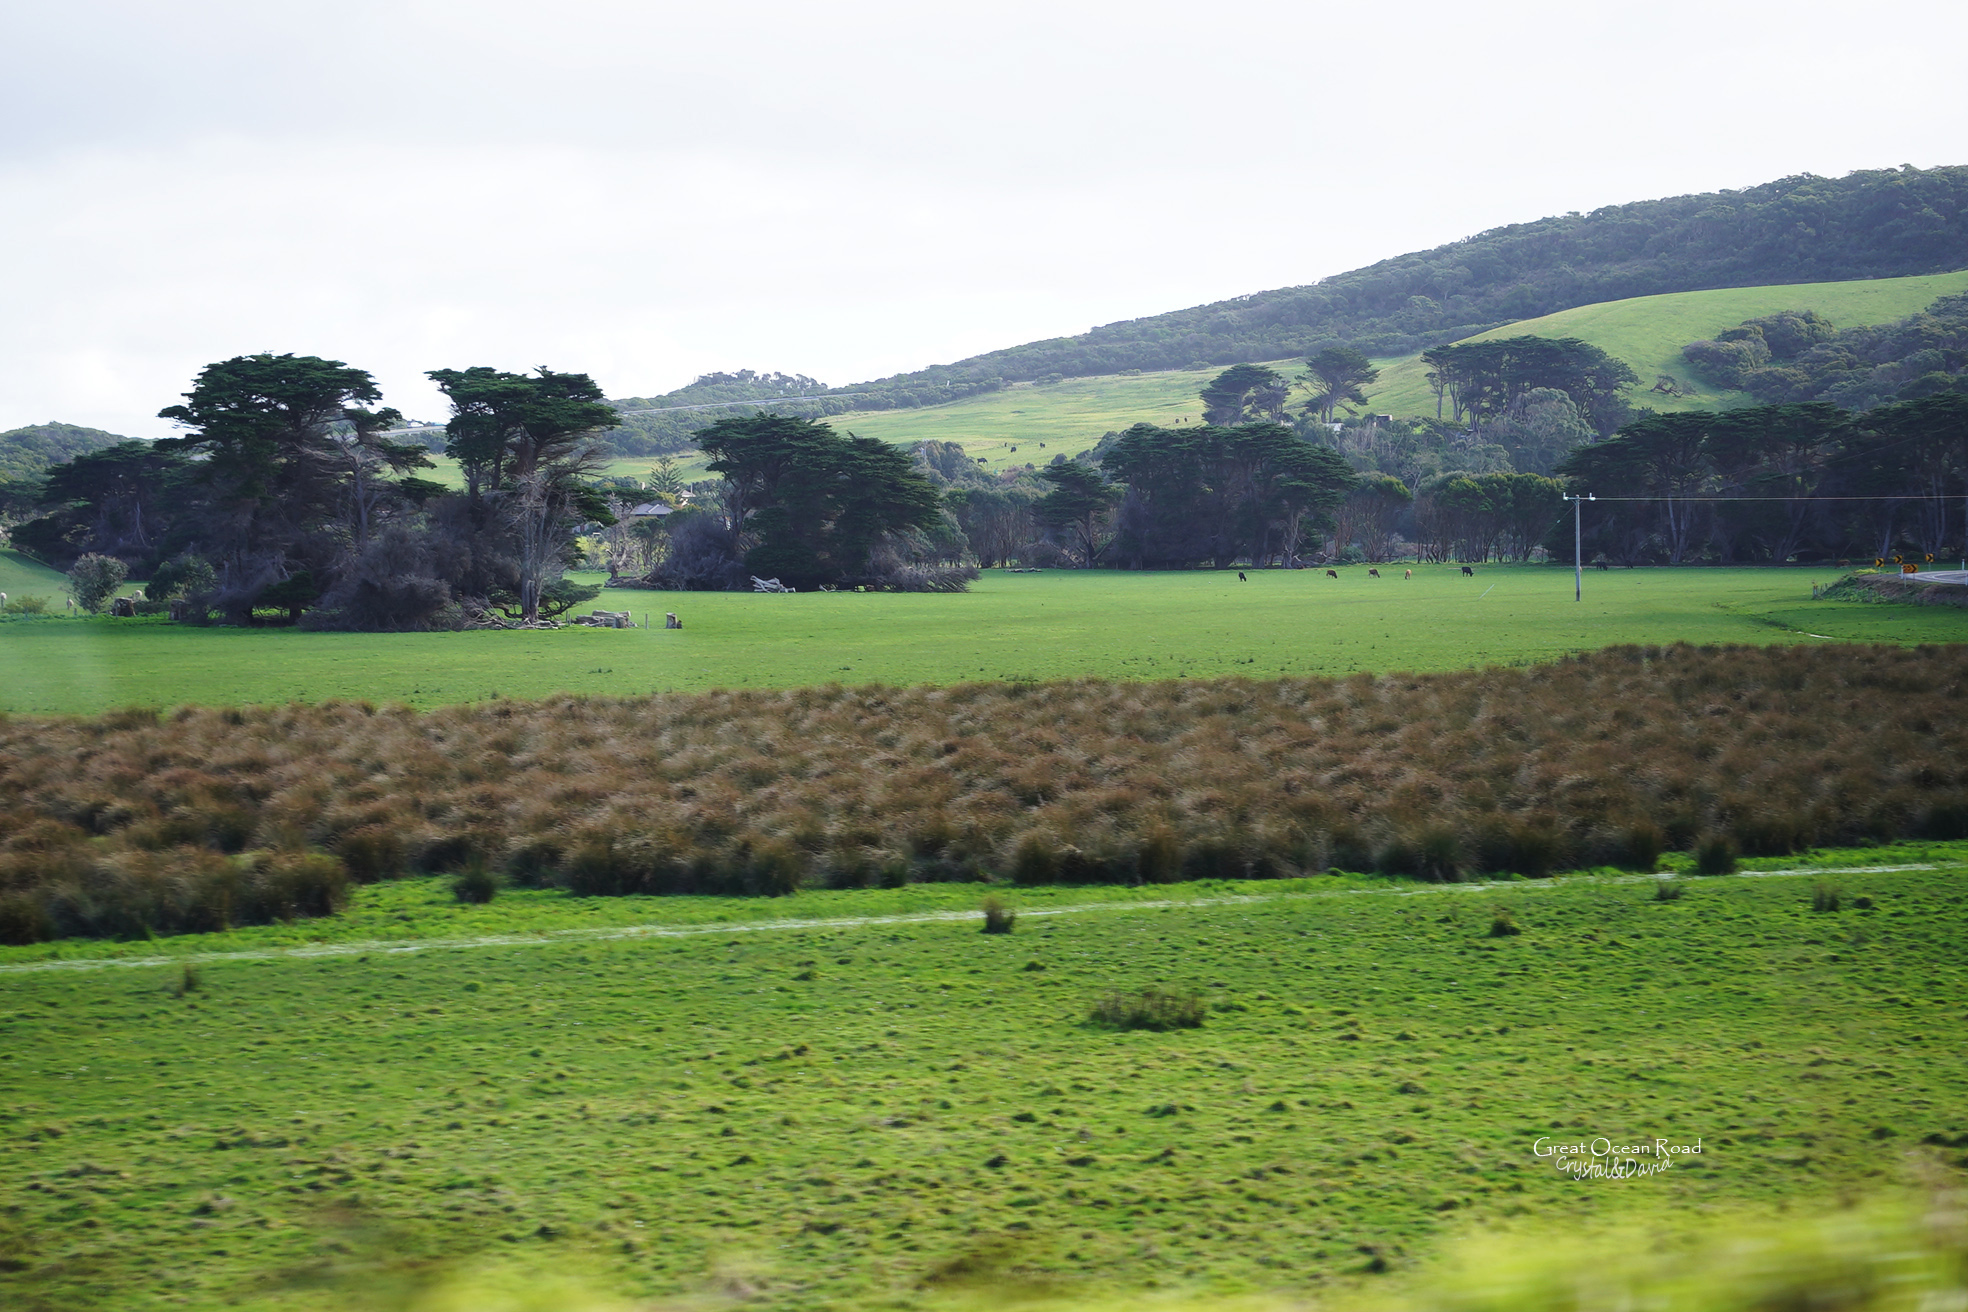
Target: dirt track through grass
607 933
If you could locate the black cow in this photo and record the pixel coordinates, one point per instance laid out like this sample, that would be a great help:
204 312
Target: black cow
1468 572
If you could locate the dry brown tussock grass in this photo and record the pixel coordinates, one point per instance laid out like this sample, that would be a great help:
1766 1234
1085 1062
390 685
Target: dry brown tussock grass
1602 759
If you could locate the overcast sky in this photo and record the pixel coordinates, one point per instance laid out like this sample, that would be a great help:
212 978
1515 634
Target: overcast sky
649 191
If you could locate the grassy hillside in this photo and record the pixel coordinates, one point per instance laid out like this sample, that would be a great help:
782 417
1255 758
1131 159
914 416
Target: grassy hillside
857 1100
1647 332
1056 625
1029 423
21 577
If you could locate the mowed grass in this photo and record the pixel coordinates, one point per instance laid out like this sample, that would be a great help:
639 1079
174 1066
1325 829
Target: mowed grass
1054 625
843 1112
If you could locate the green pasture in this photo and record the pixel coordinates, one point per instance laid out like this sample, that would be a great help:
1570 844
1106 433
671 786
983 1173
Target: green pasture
1029 424
1055 625
1648 333
838 1099
21 577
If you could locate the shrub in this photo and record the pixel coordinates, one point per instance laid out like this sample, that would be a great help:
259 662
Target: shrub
188 981
27 606
1715 855
372 852
185 574
476 884
1503 924
1435 853
1529 847
1826 896
1644 842
1667 890
1149 1009
1035 860
95 579
999 917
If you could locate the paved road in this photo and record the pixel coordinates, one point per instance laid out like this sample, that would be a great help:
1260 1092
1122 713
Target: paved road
1942 576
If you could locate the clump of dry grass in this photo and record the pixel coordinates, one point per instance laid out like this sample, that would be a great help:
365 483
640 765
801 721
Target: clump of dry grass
126 823
999 916
1148 1009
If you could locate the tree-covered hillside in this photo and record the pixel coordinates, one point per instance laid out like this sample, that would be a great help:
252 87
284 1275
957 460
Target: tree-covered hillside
1872 224
26 452
660 425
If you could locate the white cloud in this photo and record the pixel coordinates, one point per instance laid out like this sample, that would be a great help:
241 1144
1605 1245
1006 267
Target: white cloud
649 191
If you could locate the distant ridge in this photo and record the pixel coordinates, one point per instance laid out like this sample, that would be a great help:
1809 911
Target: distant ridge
1871 224
30 451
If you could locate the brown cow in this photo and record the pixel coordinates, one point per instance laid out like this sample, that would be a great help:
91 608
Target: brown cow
1408 575
1332 573
1373 573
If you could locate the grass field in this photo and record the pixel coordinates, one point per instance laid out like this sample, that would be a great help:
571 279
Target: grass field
21 577
1059 624
1007 428
850 1099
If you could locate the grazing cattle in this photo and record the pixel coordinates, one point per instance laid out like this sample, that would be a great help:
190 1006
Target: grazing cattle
1241 578
1373 573
1332 573
1408 574
1468 572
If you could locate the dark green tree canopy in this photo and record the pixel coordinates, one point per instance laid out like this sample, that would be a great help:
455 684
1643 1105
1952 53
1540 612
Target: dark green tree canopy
1212 494
1245 393
505 426
810 505
1488 380
1338 376
1079 506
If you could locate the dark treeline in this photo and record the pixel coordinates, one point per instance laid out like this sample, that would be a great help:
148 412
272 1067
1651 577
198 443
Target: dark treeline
1817 483
288 501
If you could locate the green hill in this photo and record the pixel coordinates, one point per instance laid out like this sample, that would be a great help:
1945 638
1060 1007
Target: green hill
25 452
1026 423
21 577
1648 332
1882 223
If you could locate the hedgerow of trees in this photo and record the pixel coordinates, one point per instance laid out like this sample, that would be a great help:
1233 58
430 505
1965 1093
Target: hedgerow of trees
1806 481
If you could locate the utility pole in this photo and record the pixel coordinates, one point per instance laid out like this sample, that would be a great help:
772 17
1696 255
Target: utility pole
1578 552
